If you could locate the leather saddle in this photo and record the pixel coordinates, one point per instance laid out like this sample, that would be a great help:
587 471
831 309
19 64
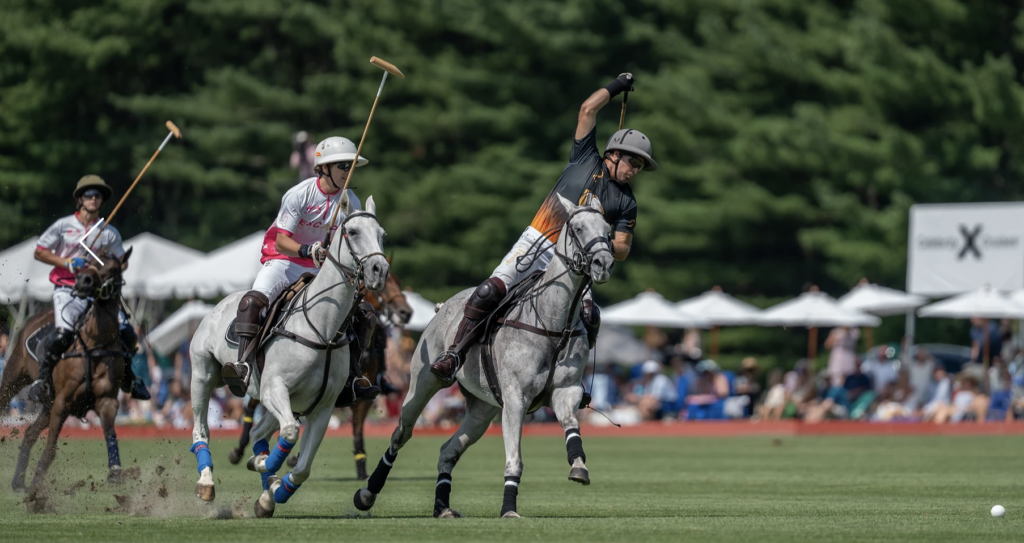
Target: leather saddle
277 315
33 341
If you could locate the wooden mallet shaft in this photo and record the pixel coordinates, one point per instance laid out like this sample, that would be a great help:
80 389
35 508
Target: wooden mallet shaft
174 131
622 114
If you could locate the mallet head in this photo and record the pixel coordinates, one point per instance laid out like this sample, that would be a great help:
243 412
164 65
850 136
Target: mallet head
174 129
387 67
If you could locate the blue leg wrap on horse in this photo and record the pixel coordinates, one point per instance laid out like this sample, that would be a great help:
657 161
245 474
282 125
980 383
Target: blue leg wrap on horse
508 501
574 445
286 489
261 447
380 475
113 455
442 493
279 455
202 452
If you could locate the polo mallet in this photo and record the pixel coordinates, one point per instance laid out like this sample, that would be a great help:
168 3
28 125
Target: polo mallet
388 69
174 131
622 114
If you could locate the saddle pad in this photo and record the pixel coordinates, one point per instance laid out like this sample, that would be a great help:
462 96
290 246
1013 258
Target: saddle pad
231 336
274 312
33 340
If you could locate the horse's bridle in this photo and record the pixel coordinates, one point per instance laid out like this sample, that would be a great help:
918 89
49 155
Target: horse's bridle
581 259
352 275
106 290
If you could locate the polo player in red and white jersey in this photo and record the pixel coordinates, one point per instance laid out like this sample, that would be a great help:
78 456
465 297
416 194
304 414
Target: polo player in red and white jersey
59 246
293 246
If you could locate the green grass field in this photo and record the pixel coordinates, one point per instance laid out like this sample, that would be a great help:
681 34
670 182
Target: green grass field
657 489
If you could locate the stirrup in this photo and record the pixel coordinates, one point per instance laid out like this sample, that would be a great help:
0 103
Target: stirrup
236 377
364 394
453 370
139 390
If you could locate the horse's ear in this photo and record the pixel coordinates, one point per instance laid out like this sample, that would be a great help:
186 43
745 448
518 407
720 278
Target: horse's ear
371 207
569 206
391 257
346 204
596 204
128 253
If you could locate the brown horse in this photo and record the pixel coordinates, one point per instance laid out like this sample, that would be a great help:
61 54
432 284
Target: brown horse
88 376
389 303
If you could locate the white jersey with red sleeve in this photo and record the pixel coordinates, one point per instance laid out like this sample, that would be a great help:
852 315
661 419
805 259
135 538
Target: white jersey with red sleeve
62 239
305 216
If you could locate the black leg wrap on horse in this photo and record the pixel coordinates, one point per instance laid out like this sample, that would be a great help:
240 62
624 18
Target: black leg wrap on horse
574 445
380 475
508 501
442 493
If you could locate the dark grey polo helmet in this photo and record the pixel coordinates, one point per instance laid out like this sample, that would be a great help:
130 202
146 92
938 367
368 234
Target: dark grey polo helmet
633 141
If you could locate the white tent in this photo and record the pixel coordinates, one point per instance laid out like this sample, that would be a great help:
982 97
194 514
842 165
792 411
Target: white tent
618 345
815 309
720 309
228 269
985 302
650 309
171 333
151 255
17 267
422 311
877 300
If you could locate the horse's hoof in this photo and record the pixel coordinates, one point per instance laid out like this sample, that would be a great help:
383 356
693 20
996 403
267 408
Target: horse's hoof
450 513
292 460
510 514
114 477
251 464
206 492
235 456
363 500
580 475
18 488
260 511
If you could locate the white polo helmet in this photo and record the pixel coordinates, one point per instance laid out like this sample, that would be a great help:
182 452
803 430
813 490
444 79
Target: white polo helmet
337 149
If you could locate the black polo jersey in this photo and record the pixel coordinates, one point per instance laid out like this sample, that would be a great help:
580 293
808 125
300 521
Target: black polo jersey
586 176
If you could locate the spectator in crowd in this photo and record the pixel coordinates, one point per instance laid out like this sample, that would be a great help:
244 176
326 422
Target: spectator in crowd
800 389
690 346
747 383
922 370
967 402
980 328
842 358
880 368
940 395
897 399
859 392
773 401
657 343
652 392
302 157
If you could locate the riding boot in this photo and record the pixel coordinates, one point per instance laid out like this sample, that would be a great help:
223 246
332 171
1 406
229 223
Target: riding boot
248 322
130 382
484 300
591 315
364 325
53 346
362 388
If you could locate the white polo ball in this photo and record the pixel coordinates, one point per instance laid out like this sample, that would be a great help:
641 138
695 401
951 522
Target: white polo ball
998 511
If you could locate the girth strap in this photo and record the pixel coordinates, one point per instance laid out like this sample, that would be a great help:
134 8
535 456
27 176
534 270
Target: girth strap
537 330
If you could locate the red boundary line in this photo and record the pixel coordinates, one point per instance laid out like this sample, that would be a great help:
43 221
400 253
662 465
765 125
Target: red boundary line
646 429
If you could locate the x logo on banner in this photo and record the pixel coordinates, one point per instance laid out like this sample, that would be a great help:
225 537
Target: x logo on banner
970 236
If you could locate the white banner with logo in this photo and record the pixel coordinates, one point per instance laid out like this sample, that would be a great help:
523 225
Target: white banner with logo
955 248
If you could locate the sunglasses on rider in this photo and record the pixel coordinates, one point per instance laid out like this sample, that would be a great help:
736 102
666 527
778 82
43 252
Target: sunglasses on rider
345 166
633 160
92 193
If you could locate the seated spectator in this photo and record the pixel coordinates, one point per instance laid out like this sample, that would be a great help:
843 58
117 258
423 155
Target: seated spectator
651 391
773 401
709 386
940 394
896 400
922 371
967 403
800 389
880 368
851 401
747 383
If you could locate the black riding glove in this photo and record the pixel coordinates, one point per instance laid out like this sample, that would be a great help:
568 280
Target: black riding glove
620 84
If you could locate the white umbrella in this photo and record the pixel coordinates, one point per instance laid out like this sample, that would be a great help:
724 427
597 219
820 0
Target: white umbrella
152 255
177 328
229 269
813 309
618 345
422 311
650 309
985 302
881 301
719 309
17 267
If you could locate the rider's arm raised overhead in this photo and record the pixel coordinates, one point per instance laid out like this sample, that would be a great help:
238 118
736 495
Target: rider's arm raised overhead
588 111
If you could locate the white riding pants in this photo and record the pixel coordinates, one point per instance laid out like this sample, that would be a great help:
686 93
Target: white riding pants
277 275
511 270
68 309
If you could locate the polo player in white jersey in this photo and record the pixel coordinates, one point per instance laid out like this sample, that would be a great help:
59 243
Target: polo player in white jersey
59 246
293 246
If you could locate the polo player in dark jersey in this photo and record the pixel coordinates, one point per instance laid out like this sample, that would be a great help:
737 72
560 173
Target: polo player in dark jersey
587 175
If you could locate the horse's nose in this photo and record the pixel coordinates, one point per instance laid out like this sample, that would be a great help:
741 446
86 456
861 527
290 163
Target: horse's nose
86 281
404 315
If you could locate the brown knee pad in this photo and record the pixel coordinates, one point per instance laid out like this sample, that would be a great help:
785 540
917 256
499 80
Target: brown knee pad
250 313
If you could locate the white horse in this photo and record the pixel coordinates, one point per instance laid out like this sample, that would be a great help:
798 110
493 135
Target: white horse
523 361
297 374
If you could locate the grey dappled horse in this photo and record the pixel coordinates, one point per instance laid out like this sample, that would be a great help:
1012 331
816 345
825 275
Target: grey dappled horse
522 361
295 376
